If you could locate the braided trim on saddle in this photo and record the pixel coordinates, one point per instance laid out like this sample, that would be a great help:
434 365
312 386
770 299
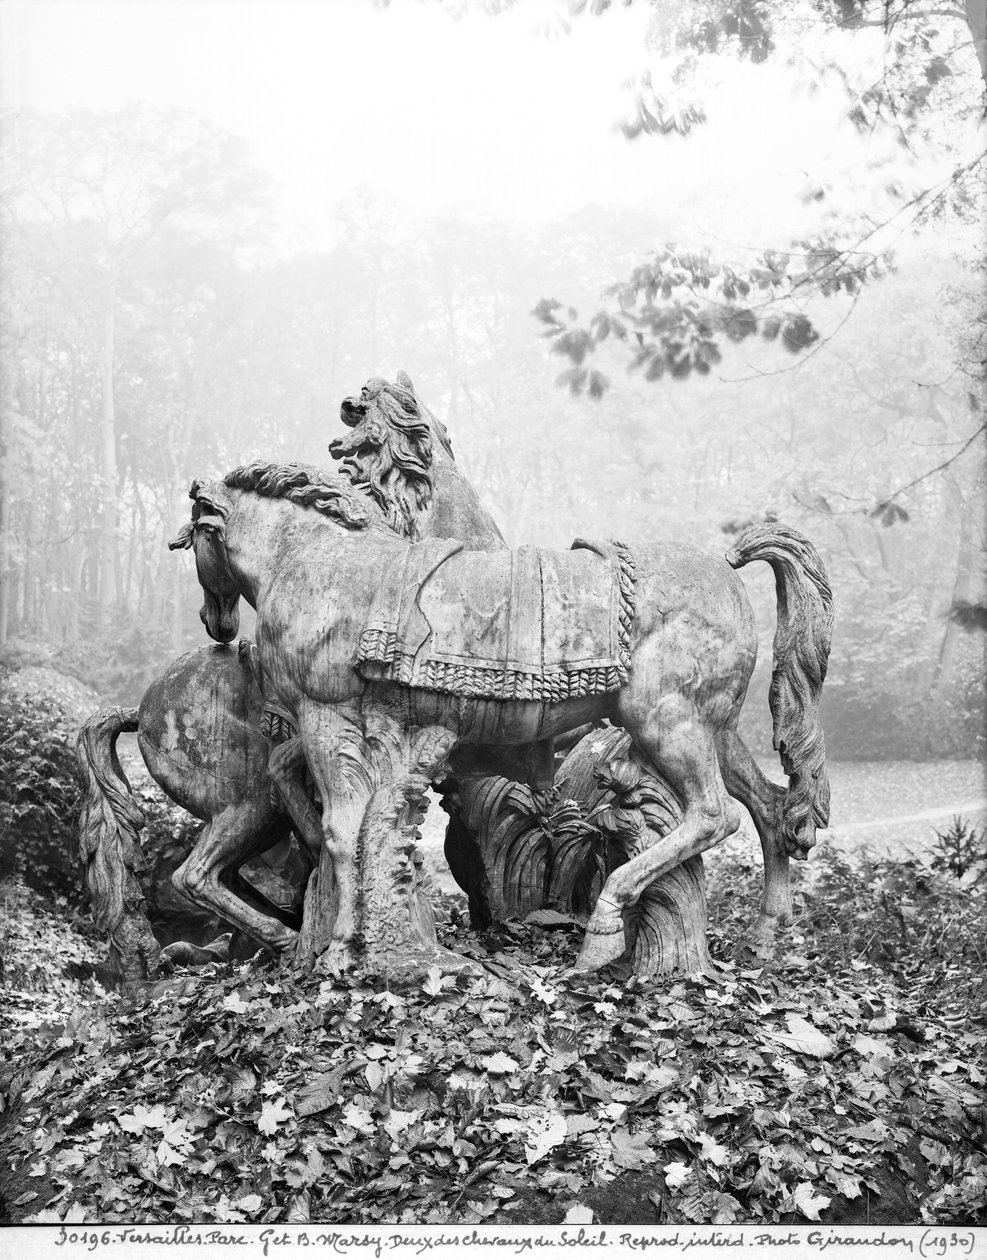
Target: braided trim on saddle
626 578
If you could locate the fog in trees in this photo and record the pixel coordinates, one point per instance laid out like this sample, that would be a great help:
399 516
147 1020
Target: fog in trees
734 338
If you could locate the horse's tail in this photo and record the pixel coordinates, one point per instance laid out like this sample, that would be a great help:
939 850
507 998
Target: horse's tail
109 841
801 652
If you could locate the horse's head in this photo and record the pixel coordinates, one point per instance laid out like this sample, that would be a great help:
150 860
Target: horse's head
206 535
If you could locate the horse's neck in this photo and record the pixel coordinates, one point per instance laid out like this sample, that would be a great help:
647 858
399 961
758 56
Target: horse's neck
255 527
456 512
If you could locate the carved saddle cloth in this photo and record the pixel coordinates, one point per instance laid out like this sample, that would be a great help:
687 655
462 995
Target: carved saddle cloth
530 624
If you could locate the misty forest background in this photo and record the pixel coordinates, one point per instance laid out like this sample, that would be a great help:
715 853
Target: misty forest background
663 269
155 326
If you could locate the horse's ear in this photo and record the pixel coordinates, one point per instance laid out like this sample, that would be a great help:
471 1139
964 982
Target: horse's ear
182 539
404 380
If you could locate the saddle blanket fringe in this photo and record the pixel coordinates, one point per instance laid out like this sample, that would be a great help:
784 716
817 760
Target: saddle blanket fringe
532 624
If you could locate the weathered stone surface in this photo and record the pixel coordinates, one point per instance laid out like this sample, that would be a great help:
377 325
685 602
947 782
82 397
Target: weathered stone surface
199 732
307 551
521 851
308 548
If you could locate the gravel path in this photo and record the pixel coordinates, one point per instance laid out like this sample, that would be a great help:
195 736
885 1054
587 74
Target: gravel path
896 805
888 806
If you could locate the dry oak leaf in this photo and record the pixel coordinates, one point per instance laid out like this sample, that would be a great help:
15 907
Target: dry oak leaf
630 1150
803 1200
499 1064
803 1038
359 1118
319 1093
142 1118
713 1151
544 1134
273 1115
676 1174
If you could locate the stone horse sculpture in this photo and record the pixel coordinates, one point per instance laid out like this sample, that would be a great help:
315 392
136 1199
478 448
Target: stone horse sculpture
199 726
200 732
380 713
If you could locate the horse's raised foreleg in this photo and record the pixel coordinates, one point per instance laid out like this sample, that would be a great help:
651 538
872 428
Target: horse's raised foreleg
745 781
683 751
219 851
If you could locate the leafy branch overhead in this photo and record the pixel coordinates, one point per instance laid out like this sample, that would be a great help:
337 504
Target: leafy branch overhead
675 314
672 311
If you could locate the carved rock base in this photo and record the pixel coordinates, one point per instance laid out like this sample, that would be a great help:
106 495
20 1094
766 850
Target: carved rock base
390 929
514 851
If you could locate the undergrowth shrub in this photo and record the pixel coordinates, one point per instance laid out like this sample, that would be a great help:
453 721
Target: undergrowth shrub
39 799
917 921
49 952
960 850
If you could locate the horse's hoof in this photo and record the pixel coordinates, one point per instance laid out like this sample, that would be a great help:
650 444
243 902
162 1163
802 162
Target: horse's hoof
755 946
185 954
603 943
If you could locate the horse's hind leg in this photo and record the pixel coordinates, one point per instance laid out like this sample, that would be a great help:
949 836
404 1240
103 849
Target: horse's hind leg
745 781
231 839
682 749
276 831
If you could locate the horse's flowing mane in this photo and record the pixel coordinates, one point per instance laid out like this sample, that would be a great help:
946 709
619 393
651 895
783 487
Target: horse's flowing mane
389 455
326 492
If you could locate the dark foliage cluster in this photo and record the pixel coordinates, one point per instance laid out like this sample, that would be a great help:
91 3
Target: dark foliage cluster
676 311
921 921
39 798
960 851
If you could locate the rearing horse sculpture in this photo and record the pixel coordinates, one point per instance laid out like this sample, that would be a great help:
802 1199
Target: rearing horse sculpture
306 551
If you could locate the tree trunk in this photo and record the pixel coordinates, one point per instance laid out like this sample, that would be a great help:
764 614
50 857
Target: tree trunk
969 583
107 514
6 565
976 19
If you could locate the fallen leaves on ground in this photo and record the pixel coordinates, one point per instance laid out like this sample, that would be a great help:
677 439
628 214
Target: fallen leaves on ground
263 1094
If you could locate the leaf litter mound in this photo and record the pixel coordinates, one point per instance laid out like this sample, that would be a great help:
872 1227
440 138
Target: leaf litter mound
254 1093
